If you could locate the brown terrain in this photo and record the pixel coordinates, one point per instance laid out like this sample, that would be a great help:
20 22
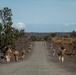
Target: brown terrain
40 60
66 42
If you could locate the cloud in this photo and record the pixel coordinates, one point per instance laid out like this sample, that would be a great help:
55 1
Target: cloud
66 24
70 24
19 25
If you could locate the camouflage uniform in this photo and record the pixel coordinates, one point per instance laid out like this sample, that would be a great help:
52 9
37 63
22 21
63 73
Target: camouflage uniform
51 46
61 54
16 55
53 52
23 53
9 51
7 58
29 48
8 55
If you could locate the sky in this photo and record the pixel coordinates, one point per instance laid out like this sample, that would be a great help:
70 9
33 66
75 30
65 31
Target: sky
42 15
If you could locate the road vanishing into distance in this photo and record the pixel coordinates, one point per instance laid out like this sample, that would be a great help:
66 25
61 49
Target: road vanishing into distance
39 63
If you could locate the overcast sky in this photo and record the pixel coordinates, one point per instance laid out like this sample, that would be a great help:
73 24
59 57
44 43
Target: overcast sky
42 15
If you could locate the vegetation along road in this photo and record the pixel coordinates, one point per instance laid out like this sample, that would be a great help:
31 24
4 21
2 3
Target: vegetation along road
39 63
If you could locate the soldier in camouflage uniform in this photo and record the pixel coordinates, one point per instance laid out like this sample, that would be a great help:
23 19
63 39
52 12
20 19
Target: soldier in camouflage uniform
23 53
51 46
16 55
9 51
29 48
8 54
7 57
61 53
53 52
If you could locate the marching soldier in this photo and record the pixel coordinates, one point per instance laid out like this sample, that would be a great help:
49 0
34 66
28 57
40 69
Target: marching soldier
9 51
16 55
61 53
7 57
51 46
53 52
29 48
8 54
23 53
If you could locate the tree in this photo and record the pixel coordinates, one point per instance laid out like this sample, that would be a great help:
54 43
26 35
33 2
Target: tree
73 34
5 27
22 33
53 34
0 28
6 18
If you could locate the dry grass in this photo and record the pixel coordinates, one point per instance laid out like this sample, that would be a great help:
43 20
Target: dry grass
65 42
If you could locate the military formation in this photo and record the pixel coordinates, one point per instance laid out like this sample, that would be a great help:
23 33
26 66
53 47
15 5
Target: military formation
8 55
60 52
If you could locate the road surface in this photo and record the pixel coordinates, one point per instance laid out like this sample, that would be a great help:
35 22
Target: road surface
39 63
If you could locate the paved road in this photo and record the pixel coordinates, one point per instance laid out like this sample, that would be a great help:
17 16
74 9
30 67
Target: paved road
39 63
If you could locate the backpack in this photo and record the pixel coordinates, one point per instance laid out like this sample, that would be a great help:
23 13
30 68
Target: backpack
16 53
